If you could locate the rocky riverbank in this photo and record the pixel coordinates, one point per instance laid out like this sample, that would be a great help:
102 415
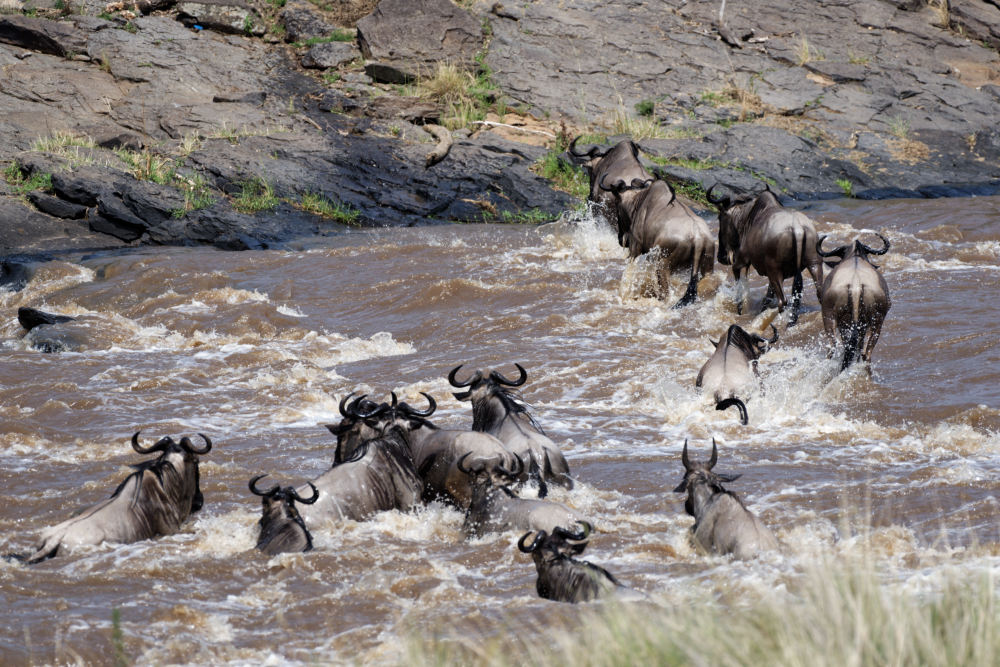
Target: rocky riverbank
245 125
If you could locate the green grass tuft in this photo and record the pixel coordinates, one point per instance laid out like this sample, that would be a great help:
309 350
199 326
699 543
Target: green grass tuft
320 205
255 195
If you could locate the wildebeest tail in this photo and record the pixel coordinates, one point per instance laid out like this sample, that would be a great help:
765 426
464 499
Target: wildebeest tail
740 405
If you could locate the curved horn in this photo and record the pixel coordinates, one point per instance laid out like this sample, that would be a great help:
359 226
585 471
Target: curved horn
187 444
395 399
158 446
306 501
257 492
770 341
518 469
877 252
455 382
355 413
431 407
592 153
740 405
577 536
617 187
460 464
528 548
714 200
684 456
715 455
819 249
511 383
343 404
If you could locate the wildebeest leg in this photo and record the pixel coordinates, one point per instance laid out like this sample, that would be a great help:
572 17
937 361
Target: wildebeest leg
796 298
830 331
663 278
769 299
692 289
774 283
877 321
742 291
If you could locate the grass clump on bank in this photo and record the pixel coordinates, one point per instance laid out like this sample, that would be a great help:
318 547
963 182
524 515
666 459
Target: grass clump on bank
320 205
21 185
836 614
564 175
255 195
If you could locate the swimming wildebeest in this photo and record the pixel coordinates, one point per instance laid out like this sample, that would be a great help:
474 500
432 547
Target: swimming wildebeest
733 366
722 523
435 451
855 298
560 576
43 336
497 410
154 500
756 230
496 508
376 475
620 162
281 528
652 218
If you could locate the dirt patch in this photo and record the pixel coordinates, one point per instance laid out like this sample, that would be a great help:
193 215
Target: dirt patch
908 150
345 13
974 74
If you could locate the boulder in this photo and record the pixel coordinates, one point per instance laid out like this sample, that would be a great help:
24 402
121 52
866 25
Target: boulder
408 38
228 16
330 54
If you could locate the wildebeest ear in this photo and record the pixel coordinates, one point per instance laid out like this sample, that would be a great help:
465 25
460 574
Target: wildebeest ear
728 478
682 487
462 395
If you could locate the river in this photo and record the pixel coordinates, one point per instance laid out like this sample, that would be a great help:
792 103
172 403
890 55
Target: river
255 349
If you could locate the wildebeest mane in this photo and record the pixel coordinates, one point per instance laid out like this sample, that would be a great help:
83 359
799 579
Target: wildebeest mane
483 418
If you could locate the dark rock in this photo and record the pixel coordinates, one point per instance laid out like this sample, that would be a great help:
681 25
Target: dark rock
410 37
56 38
410 109
228 16
55 206
29 318
335 101
330 54
838 72
386 72
257 98
302 22
125 139
887 193
15 274
83 187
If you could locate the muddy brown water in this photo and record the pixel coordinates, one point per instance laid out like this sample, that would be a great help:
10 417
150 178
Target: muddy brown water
255 349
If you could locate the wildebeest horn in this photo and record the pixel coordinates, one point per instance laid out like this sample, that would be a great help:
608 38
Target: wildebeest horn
307 501
577 536
618 186
715 455
877 252
343 404
395 399
257 492
354 412
460 464
592 153
684 456
528 548
511 383
518 469
431 407
770 341
158 446
716 200
455 382
189 446
839 252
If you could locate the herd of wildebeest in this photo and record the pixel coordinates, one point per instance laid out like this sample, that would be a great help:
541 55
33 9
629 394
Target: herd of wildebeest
390 456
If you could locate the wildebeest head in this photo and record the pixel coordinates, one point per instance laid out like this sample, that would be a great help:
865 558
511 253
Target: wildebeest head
856 249
621 159
281 526
561 543
699 480
355 426
752 345
560 576
492 396
182 457
737 208
485 475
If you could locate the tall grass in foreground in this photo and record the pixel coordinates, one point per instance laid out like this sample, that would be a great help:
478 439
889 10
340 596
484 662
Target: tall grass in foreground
835 615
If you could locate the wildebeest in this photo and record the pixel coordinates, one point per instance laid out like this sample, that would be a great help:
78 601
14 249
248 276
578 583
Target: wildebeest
154 500
652 218
620 162
722 523
855 298
756 230
733 366
281 528
497 410
377 475
560 576
494 507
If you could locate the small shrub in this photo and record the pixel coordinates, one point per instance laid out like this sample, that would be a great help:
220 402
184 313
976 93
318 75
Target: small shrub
146 166
21 186
255 195
845 186
807 53
899 127
320 205
645 107
532 216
